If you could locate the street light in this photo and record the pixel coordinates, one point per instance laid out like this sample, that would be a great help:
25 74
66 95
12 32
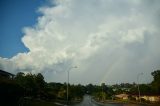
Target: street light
68 80
103 93
139 94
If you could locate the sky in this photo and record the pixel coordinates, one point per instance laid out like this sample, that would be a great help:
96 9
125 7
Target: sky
109 41
14 16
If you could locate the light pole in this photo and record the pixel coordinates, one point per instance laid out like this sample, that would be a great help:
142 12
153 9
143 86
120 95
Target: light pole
103 93
68 80
139 94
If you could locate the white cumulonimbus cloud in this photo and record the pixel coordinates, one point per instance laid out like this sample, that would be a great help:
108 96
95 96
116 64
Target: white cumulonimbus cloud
110 41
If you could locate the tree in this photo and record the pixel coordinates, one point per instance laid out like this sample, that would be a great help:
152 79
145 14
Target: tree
20 77
145 89
40 81
10 92
156 82
32 84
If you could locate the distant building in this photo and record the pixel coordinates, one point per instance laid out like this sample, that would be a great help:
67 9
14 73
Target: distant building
6 74
151 98
122 96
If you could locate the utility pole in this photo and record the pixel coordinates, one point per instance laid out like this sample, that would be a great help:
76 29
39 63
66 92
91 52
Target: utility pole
139 94
103 93
67 84
68 81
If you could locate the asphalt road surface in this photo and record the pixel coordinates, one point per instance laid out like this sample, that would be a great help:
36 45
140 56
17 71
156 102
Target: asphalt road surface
87 101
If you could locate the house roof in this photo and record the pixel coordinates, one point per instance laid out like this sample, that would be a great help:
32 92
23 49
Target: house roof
6 73
147 95
121 95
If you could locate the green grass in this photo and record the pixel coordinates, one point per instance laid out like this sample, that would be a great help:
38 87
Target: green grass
40 103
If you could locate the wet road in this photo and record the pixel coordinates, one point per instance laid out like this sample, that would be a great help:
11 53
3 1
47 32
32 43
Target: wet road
87 101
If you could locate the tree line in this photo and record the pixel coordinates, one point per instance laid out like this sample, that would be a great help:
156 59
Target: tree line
33 86
108 92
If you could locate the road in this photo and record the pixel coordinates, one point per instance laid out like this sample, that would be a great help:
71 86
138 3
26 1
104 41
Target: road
87 101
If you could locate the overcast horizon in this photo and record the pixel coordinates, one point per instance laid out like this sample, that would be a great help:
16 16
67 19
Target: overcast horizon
109 41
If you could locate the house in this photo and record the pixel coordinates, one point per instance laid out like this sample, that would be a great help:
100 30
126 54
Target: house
151 98
6 74
122 96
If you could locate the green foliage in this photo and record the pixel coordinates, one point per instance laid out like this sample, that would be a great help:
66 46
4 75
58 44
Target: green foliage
145 89
39 103
76 92
101 92
34 86
156 82
10 92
